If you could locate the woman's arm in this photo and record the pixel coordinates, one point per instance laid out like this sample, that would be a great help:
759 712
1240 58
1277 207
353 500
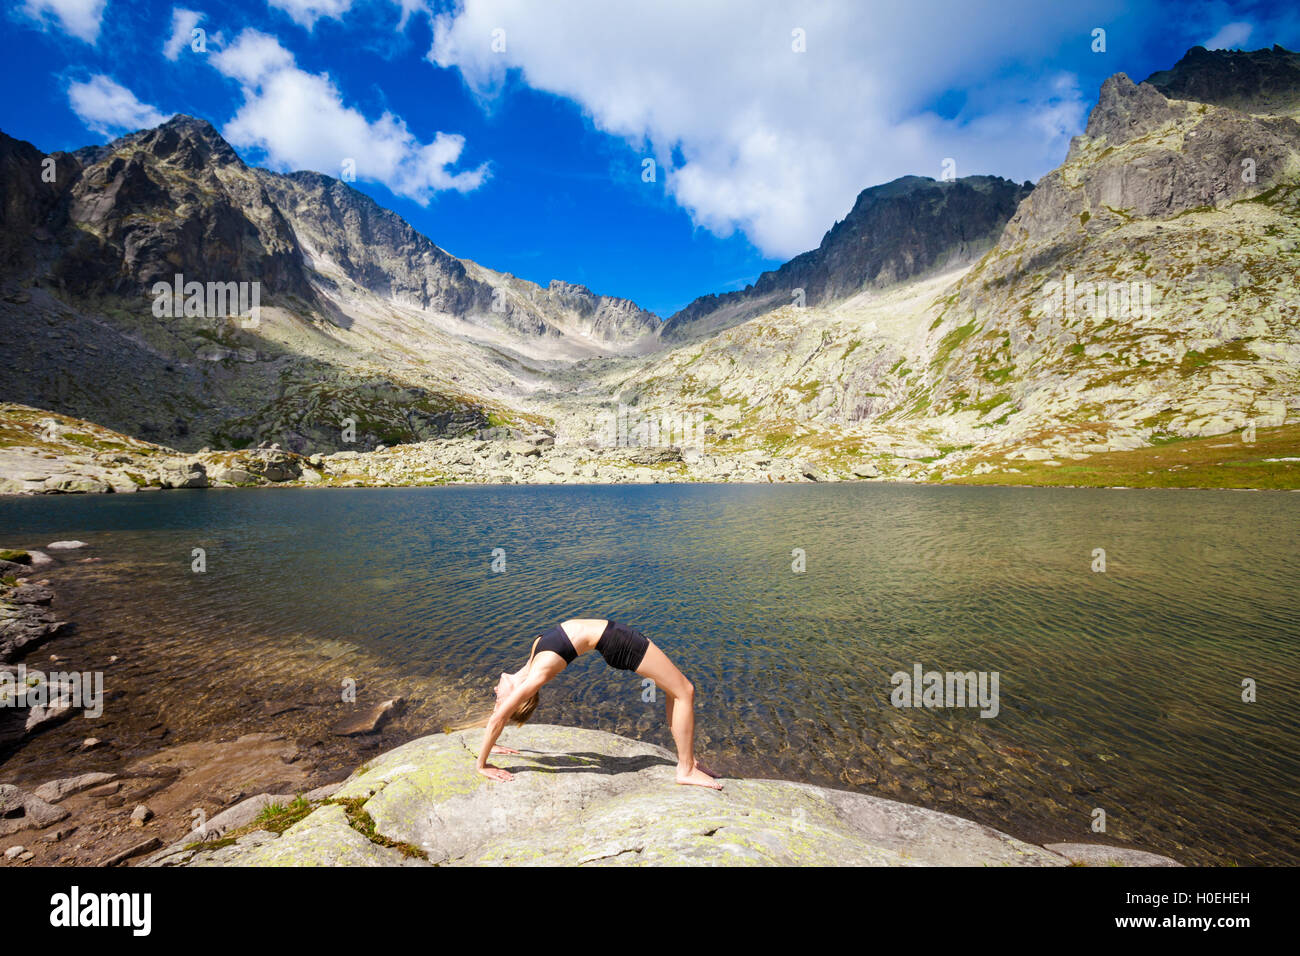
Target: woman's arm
497 722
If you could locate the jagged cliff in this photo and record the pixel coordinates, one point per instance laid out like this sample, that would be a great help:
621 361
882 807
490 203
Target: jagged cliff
902 230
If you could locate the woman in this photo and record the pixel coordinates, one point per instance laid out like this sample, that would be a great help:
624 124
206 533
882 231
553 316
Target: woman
622 648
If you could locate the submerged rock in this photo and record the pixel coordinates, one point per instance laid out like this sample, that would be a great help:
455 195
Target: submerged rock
586 797
368 720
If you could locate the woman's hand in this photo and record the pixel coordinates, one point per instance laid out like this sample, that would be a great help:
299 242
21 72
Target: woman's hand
496 773
504 750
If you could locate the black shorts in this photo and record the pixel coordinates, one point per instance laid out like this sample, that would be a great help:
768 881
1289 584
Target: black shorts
622 647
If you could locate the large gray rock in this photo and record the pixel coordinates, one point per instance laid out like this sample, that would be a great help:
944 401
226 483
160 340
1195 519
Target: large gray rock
25 620
56 790
655 455
20 810
236 476
582 796
273 464
191 474
524 449
77 485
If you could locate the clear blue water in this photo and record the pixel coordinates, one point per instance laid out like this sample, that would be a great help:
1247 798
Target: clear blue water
1118 690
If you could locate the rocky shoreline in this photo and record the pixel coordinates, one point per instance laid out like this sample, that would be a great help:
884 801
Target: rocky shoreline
105 795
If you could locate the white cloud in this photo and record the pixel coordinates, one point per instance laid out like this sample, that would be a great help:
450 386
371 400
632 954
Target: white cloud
107 107
78 18
183 22
409 8
1230 36
253 59
305 13
299 120
778 143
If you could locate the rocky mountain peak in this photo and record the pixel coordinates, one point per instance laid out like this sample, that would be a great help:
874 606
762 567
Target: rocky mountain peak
1126 110
1258 81
1146 155
189 142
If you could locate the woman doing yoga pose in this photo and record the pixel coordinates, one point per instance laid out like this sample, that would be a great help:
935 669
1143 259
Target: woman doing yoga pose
622 648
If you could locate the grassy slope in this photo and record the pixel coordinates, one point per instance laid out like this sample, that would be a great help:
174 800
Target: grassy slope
1223 461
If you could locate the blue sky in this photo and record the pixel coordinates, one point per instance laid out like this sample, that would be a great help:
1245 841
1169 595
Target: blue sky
518 133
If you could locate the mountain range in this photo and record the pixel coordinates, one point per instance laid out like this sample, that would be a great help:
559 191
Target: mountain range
1142 292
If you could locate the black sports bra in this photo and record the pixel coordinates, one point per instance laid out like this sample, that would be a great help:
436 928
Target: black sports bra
555 639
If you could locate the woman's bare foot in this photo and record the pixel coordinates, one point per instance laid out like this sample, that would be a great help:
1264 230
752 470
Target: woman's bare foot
703 769
697 778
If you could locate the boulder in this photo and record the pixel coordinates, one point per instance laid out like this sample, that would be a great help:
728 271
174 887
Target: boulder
655 455
30 594
76 485
586 797
192 474
274 465
24 626
20 810
235 476
56 790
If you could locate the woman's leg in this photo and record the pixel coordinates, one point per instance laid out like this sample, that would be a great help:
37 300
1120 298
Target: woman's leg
680 711
669 700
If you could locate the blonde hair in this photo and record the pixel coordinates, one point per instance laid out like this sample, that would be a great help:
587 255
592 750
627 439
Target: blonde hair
521 714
